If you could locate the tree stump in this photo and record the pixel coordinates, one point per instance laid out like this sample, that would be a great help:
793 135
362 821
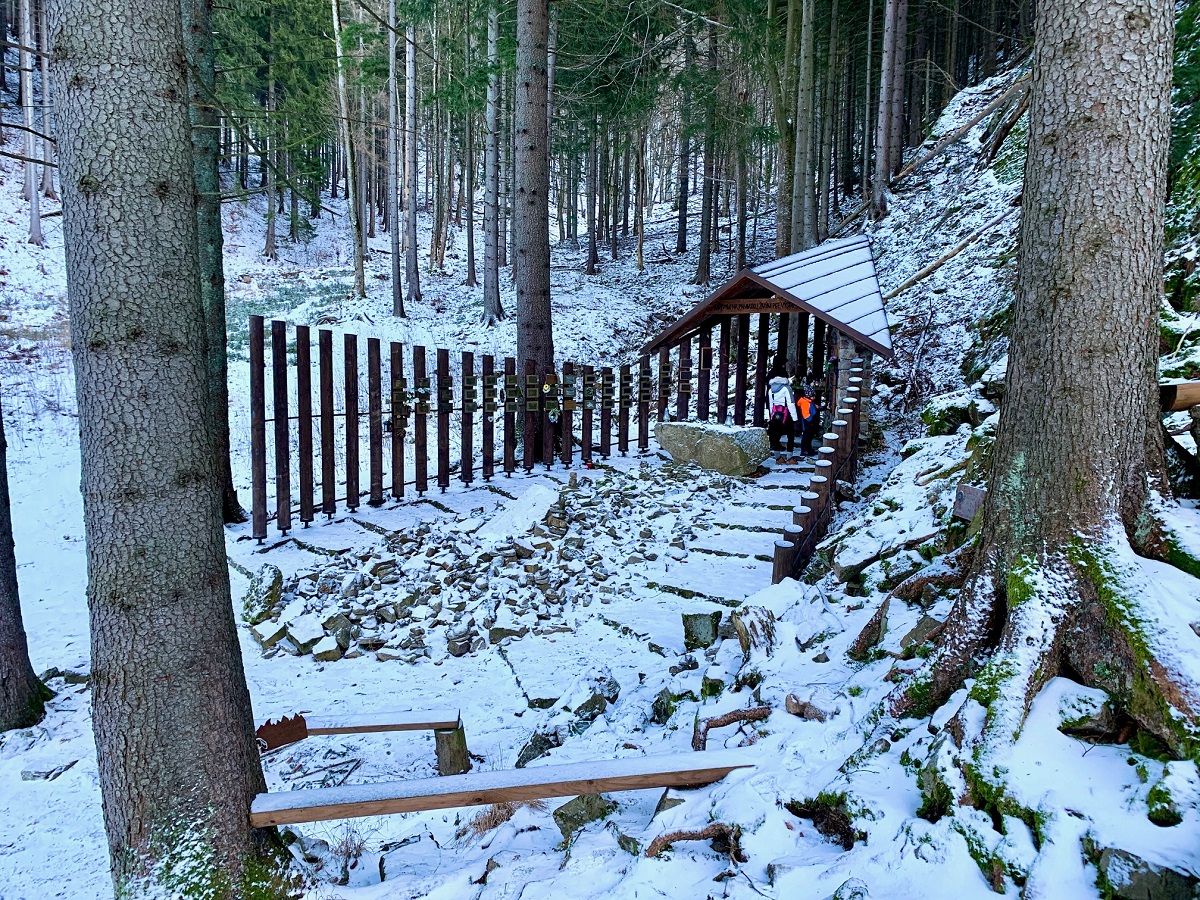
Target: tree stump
453 757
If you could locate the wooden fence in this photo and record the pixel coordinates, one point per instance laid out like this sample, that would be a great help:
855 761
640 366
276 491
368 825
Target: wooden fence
837 460
432 416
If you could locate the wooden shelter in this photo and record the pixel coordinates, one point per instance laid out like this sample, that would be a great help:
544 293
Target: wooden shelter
827 306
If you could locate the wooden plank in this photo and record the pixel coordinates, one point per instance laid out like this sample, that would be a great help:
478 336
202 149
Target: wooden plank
704 374
350 348
606 404
739 371
567 418
420 420
643 403
587 398
624 404
468 416
723 370
399 417
304 417
258 429
488 428
512 405
283 437
445 403
532 394
968 500
328 452
482 788
375 420
551 416
373 723
1179 396
750 306
664 382
760 370
684 389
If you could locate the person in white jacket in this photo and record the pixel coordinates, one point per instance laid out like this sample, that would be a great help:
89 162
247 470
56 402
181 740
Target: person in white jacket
782 405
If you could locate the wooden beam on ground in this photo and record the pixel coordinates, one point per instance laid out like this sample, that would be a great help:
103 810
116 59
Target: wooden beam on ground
1179 396
483 788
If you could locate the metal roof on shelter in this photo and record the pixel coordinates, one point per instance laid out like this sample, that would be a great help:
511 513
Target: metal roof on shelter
835 281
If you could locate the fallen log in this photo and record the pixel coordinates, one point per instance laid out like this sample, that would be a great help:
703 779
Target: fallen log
703 726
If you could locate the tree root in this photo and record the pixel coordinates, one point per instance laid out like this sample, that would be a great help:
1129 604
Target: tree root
946 571
726 839
702 726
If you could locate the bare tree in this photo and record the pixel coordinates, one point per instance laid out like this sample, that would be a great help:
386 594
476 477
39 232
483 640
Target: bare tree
393 164
32 194
178 765
493 312
412 268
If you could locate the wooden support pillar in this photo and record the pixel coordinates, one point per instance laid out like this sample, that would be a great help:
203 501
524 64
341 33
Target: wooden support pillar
304 416
588 400
445 402
818 350
664 382
532 393
760 369
802 356
723 369
684 388
703 374
782 346
740 369
375 420
258 429
512 408
643 400
328 471
488 428
567 416
279 413
350 350
781 568
467 468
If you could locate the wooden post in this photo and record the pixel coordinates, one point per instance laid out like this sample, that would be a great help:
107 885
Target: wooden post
420 420
328 452
551 410
304 416
723 370
489 416
760 369
740 369
468 417
375 420
512 406
350 353
822 483
283 438
645 386
781 344
450 745
585 426
818 351
606 403
794 535
703 373
399 417
624 403
445 403
533 394
567 416
684 389
258 429
664 382
781 564
802 346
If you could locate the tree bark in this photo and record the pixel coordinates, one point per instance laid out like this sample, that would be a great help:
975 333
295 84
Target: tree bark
412 268
25 58
178 765
493 312
685 107
883 120
352 193
531 177
22 696
393 160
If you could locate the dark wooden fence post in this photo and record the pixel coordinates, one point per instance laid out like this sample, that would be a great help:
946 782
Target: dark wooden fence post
644 387
703 374
551 416
488 428
445 402
258 430
328 450
606 403
585 425
760 369
664 382
468 417
304 417
533 396
283 438
421 420
740 369
375 420
352 446
512 405
399 417
624 404
684 388
567 416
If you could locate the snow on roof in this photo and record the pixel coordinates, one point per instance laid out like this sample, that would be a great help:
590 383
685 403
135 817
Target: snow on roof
835 282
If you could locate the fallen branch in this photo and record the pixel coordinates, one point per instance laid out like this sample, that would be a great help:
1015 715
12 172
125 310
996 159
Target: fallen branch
729 835
957 249
702 727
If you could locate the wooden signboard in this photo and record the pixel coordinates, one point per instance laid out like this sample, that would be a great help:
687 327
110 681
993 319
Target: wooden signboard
968 500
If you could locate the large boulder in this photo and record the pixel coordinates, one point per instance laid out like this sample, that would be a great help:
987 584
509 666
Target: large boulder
721 448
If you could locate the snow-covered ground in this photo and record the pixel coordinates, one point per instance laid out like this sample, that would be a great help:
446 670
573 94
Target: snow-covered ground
523 601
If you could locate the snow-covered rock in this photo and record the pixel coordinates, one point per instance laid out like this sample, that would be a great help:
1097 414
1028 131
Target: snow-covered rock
719 448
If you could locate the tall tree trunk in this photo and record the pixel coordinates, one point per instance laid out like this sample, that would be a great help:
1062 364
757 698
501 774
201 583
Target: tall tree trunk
828 118
32 194
201 58
393 159
531 177
22 697
639 215
493 312
592 191
352 196
178 764
803 188
412 269
270 141
685 141
883 120
709 200
1050 588
47 144
899 81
